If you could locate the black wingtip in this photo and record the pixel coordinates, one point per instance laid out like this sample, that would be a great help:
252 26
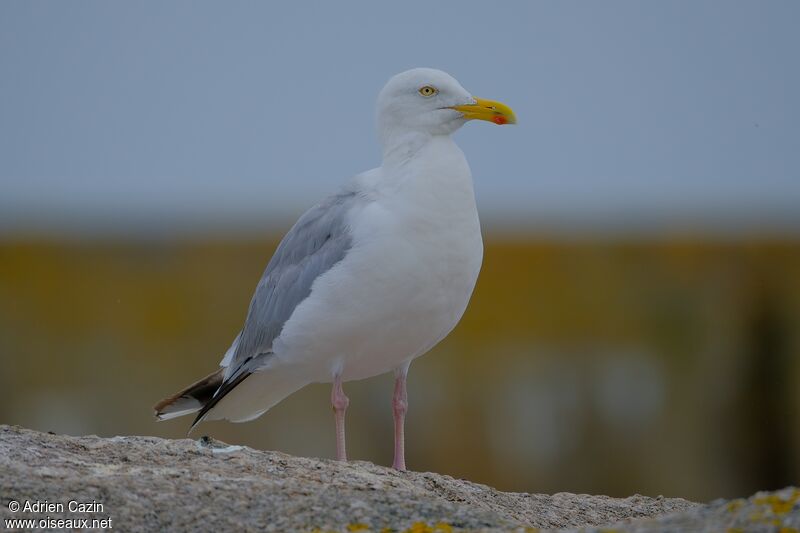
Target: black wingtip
223 390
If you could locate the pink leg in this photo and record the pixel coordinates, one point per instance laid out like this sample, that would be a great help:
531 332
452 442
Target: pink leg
399 408
340 403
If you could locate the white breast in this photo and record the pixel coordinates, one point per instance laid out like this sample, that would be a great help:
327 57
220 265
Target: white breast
407 280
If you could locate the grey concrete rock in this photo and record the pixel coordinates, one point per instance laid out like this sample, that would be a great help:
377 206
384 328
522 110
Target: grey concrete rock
152 484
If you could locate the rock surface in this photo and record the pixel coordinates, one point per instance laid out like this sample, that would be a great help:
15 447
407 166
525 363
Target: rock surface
152 484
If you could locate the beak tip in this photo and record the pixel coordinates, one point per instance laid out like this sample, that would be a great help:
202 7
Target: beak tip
504 120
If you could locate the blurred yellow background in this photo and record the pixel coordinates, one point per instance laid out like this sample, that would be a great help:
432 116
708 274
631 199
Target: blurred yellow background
660 365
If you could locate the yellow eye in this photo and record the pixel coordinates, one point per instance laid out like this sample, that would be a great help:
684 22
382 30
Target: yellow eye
428 91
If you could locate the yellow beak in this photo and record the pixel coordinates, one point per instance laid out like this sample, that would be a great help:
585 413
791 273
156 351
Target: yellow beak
490 110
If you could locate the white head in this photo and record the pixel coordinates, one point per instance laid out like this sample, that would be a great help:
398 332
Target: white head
432 102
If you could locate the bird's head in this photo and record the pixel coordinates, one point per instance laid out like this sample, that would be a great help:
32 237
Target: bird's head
430 101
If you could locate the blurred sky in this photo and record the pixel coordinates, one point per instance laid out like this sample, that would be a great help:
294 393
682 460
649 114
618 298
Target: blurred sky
167 115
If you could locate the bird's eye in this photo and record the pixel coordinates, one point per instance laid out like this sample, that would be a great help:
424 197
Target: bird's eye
428 91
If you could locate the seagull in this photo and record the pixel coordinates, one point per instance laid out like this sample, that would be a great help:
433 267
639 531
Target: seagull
370 278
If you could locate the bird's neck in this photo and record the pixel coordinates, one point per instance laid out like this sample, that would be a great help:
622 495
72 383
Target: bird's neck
426 179
399 147
426 166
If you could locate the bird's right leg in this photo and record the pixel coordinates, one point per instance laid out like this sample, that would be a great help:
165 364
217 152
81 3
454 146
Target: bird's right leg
339 402
399 408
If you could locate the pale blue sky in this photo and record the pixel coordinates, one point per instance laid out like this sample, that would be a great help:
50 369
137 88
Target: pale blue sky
164 115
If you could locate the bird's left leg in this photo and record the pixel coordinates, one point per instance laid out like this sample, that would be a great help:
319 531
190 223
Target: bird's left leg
339 402
399 409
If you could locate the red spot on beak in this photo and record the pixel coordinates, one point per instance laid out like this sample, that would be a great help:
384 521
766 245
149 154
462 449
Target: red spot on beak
499 120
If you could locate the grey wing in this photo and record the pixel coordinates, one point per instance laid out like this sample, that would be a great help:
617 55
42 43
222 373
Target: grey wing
318 240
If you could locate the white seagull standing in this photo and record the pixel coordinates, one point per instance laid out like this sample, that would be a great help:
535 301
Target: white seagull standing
368 279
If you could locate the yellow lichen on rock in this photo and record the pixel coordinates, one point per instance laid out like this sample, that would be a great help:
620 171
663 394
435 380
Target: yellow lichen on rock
422 527
777 504
734 506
